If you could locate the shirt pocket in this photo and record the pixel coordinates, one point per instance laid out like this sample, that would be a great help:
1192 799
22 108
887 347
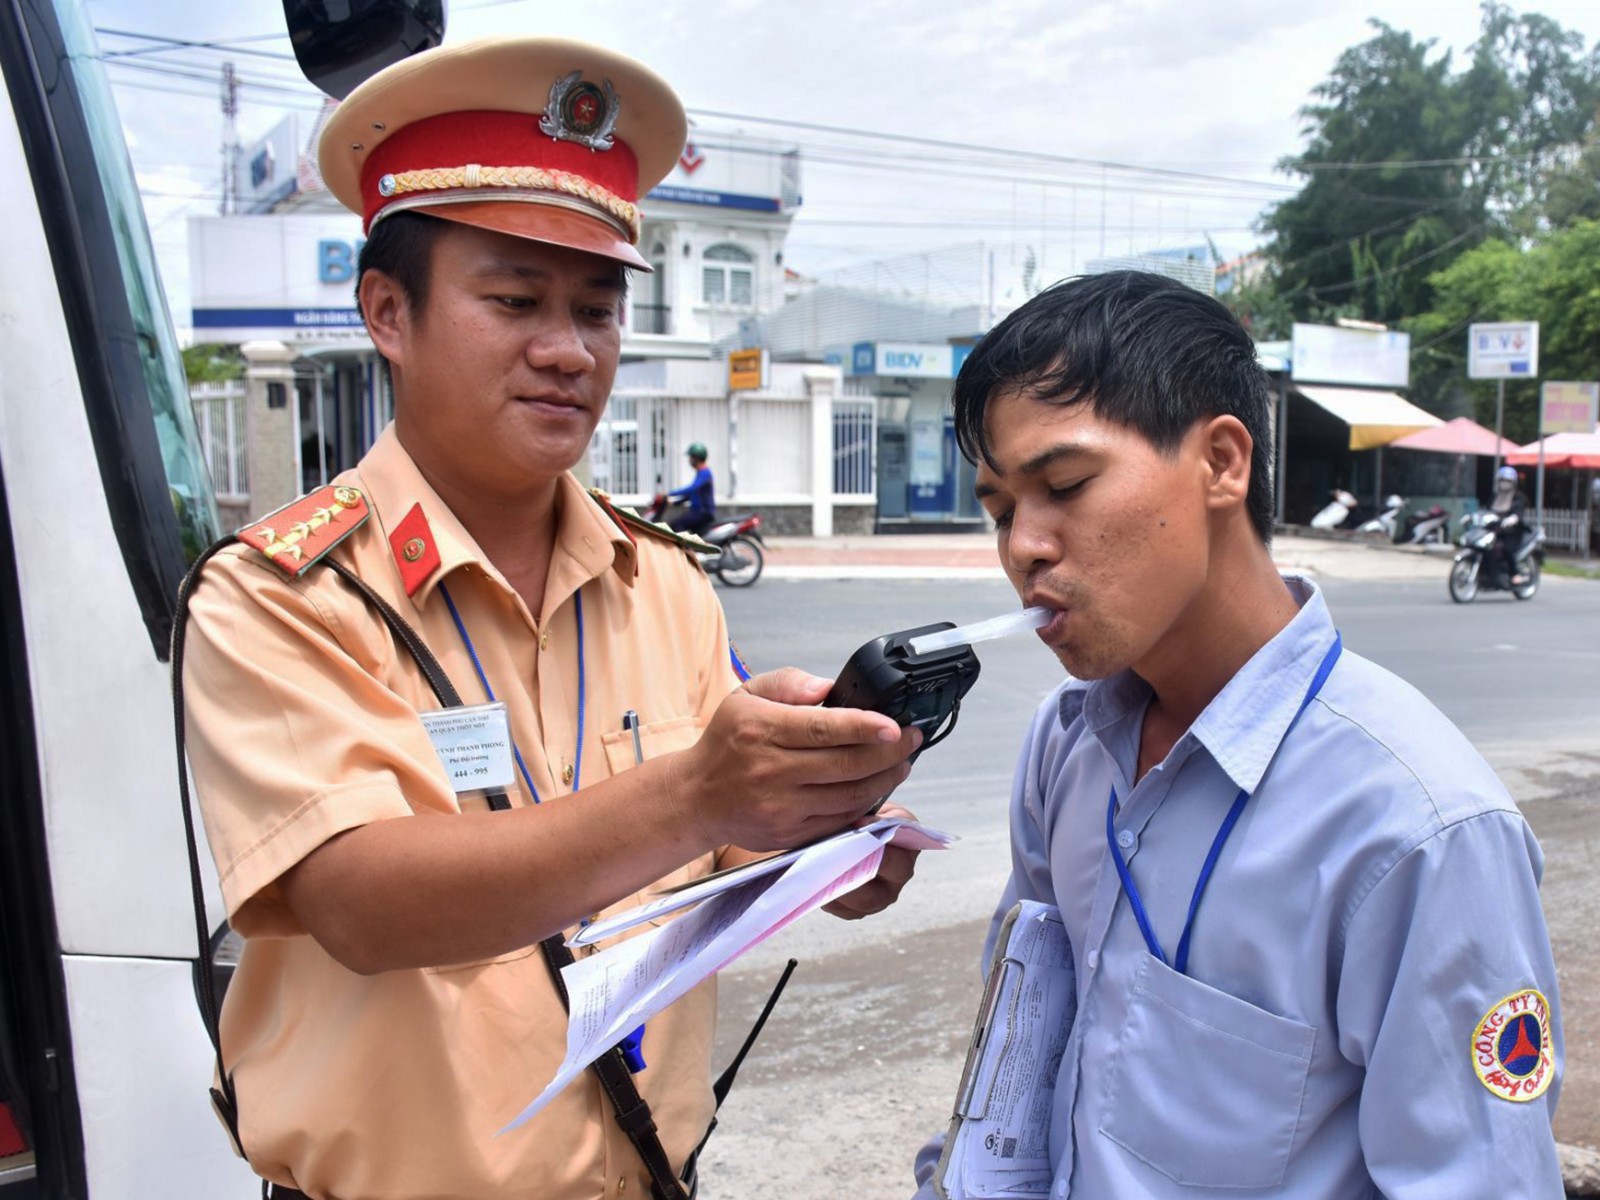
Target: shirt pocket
1206 1087
657 739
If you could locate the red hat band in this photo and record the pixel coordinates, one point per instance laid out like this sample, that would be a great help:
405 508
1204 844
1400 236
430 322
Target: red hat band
477 156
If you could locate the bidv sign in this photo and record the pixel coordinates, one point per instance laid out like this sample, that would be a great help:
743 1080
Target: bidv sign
901 358
337 258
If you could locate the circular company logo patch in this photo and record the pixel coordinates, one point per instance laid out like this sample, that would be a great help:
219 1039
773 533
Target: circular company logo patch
1511 1047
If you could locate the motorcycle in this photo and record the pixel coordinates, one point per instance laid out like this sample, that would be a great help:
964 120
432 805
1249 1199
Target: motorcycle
1335 513
740 555
1427 528
1389 521
1478 565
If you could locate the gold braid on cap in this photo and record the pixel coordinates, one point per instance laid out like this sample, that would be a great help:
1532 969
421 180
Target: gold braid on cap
473 175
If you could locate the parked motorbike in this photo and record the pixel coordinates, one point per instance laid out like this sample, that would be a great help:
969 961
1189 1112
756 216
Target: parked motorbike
1336 512
1388 522
739 558
1429 528
1479 566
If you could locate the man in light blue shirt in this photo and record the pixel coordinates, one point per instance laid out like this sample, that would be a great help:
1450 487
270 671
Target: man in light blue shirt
1310 958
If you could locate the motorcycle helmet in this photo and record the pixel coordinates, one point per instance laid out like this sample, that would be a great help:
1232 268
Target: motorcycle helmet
1506 472
697 452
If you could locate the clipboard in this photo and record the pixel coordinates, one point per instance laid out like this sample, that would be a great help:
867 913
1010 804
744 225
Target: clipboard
997 1146
912 834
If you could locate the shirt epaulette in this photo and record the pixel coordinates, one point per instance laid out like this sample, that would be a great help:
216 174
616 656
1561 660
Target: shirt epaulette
629 520
303 531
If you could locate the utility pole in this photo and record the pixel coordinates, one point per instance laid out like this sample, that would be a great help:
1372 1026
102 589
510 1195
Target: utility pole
230 140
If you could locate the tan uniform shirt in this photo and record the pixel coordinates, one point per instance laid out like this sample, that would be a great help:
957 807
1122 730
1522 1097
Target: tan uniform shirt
303 723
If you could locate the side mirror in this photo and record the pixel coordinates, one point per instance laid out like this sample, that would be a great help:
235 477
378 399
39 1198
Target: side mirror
341 43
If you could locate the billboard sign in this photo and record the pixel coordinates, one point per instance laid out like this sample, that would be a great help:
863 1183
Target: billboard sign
1569 407
905 359
747 370
1354 357
269 171
735 171
1504 350
279 276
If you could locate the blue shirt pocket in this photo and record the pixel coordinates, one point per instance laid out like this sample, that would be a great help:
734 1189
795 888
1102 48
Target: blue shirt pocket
1205 1087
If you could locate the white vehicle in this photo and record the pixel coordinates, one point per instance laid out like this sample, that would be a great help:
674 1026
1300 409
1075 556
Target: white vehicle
1390 521
1333 514
104 1057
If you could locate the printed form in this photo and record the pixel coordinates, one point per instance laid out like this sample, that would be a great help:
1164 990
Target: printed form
998 1144
620 988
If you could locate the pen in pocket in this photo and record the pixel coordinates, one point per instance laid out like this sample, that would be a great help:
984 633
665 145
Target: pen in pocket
630 722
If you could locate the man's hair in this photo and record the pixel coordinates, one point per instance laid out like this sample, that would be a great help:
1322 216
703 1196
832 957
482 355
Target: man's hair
1142 350
401 246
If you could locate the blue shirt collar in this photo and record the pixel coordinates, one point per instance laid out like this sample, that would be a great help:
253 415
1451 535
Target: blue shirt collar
1245 722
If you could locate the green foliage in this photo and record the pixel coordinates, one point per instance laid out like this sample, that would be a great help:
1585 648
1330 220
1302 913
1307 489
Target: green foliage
212 363
1555 282
1410 164
1573 187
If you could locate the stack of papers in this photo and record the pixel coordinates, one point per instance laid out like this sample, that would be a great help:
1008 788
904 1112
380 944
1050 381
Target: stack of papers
998 1144
618 989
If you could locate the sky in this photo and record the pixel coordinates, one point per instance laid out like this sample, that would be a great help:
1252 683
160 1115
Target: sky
1129 125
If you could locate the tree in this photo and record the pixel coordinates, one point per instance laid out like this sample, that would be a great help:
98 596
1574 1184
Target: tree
1572 188
1555 282
1351 241
1531 91
1409 165
210 362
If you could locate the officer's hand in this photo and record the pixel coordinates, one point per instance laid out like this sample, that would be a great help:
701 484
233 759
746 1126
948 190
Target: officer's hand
772 770
883 889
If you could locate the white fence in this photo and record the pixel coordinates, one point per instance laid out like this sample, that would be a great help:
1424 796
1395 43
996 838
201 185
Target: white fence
855 434
1567 528
759 447
219 413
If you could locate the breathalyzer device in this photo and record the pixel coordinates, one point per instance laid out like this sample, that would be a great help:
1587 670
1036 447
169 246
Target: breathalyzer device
923 689
918 676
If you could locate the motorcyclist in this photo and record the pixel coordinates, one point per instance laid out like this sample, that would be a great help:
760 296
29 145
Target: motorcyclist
701 494
1510 506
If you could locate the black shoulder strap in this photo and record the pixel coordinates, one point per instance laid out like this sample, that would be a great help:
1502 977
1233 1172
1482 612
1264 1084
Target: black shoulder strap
222 1097
632 1111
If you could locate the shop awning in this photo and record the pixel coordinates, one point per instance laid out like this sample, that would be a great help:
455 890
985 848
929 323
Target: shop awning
1459 436
1562 451
1375 418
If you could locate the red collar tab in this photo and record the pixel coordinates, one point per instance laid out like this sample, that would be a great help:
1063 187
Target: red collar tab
416 552
303 532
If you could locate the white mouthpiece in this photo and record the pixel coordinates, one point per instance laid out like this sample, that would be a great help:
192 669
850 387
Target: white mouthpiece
982 631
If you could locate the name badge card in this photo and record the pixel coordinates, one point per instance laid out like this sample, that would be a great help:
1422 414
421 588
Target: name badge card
474 744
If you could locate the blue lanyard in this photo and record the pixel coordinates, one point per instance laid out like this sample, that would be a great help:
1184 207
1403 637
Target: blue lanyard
577 754
1136 902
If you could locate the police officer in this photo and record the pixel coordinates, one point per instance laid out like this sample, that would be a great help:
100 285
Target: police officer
392 1008
700 492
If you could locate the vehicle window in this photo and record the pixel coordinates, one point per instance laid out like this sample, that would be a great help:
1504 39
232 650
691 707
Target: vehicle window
181 455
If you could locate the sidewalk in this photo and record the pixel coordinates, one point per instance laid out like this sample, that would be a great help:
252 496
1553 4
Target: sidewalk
973 556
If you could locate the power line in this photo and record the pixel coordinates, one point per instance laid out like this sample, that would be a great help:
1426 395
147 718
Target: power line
200 76
1319 292
172 43
970 147
1305 168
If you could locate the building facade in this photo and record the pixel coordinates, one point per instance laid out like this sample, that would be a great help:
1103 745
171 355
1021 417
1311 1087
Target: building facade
278 282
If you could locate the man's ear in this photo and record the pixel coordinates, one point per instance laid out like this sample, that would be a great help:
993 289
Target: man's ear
387 311
1226 447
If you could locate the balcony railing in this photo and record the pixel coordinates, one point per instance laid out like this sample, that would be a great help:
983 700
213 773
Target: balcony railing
652 318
